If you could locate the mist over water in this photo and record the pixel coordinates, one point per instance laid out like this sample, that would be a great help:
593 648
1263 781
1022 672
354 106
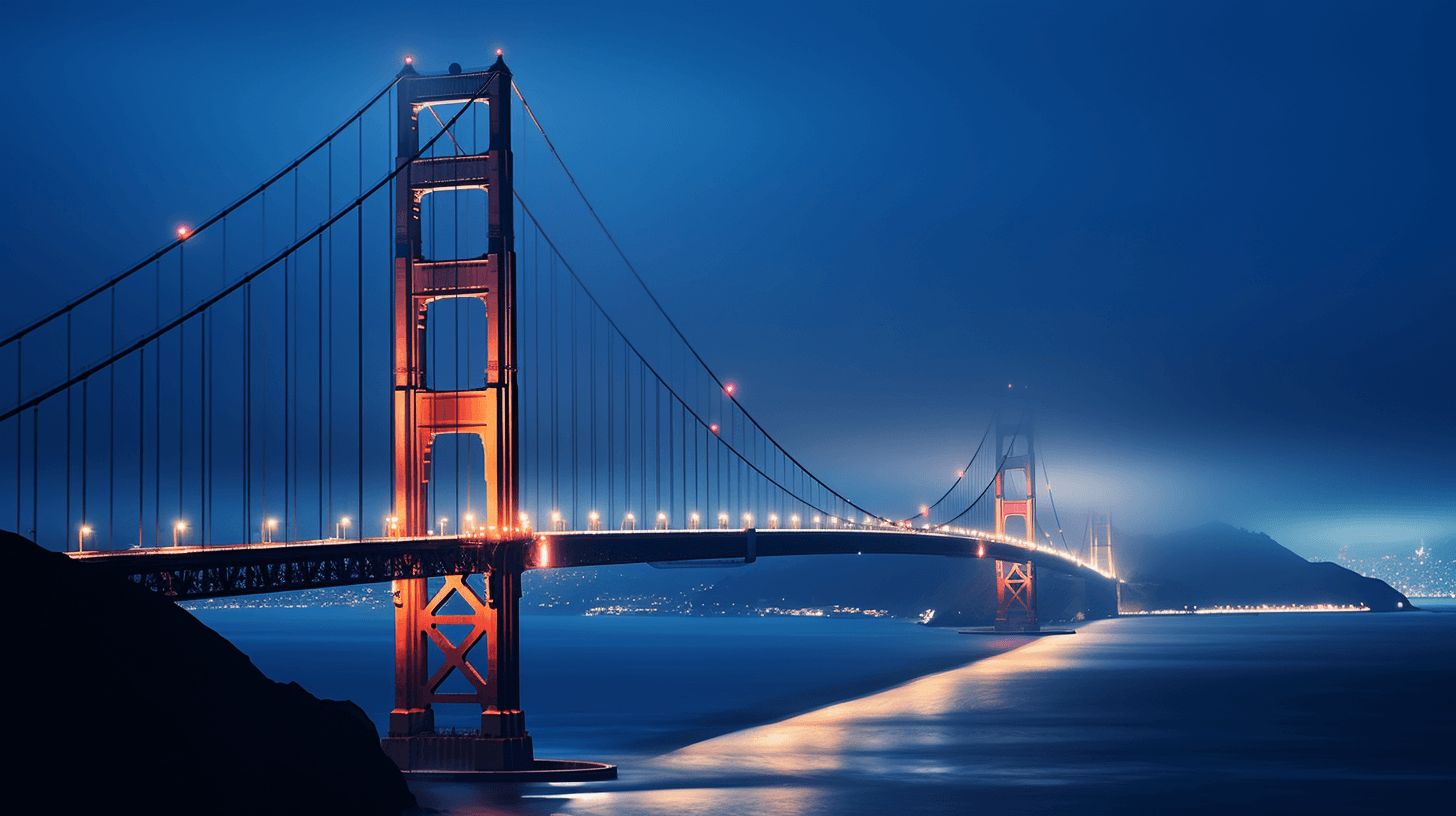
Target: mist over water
1296 713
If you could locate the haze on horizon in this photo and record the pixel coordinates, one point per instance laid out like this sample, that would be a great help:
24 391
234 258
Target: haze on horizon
1210 244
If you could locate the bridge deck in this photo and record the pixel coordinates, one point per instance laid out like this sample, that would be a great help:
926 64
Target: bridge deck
204 572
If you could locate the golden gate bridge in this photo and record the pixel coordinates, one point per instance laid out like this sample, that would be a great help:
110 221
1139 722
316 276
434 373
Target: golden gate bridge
361 342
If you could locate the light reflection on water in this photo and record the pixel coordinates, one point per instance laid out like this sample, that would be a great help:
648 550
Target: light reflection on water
1295 713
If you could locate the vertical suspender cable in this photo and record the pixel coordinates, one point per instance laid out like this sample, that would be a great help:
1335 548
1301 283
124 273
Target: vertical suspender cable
20 421
35 476
181 377
141 439
574 427
84 451
110 445
66 531
319 377
248 414
328 358
359 327
204 438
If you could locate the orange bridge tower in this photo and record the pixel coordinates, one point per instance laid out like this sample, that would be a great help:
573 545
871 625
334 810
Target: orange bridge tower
1016 580
427 649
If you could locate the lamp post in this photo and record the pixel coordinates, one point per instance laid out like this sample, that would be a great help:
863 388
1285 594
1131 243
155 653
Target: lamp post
469 527
80 534
343 525
268 526
177 530
443 521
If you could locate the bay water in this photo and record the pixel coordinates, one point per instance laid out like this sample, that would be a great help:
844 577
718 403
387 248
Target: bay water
1270 713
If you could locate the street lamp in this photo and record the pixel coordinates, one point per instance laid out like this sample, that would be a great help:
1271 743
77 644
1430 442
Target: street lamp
177 530
269 525
556 523
344 525
84 531
747 520
470 522
594 521
662 521
693 522
629 522
722 521
773 521
443 521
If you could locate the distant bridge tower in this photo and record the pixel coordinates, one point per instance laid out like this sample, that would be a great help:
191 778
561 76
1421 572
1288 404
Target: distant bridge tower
1016 447
1099 542
1016 580
487 411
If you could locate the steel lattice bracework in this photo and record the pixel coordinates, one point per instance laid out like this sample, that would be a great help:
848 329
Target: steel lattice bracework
1016 597
489 413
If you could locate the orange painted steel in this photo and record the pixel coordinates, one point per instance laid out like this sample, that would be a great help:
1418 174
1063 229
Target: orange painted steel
1016 596
422 413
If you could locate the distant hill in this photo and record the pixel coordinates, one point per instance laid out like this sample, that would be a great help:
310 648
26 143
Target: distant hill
1217 564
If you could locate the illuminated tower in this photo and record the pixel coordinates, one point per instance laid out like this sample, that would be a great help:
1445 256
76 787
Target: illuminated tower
1099 542
424 624
1014 443
1016 580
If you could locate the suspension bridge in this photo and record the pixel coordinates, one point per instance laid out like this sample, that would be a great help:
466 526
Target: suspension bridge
362 343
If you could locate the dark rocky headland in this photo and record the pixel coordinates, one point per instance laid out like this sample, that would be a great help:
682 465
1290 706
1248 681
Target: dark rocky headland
136 706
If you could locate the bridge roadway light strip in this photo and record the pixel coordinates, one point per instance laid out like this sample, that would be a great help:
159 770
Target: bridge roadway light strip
195 572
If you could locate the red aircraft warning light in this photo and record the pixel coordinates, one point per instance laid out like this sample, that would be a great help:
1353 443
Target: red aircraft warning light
729 389
500 52
182 232
409 59
713 428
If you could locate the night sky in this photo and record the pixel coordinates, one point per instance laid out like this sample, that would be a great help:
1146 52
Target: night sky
1211 244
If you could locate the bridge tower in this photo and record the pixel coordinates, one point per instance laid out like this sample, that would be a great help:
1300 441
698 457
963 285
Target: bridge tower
1016 580
1099 542
488 411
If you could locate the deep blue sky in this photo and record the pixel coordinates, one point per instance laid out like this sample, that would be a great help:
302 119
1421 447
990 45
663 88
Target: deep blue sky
1212 242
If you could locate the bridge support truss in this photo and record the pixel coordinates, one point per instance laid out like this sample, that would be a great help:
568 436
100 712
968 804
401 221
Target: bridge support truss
487 412
494 633
1016 597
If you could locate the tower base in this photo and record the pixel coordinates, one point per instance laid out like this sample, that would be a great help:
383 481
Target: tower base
459 752
1031 626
